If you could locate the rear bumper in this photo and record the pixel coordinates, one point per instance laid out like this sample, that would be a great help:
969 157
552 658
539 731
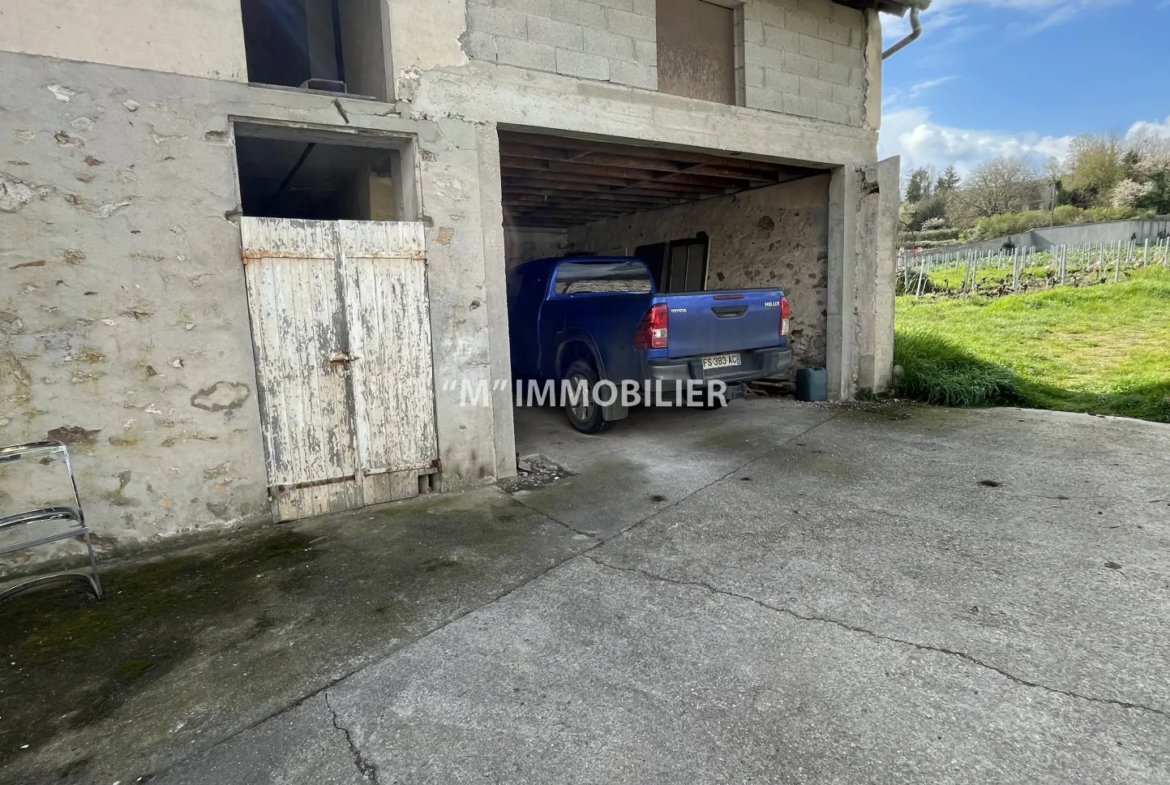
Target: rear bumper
757 364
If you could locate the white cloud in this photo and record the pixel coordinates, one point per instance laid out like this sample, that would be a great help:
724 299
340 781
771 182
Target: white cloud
1155 128
1029 16
909 94
909 132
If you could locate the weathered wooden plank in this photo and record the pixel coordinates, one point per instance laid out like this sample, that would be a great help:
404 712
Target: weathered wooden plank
393 380
390 487
296 302
283 238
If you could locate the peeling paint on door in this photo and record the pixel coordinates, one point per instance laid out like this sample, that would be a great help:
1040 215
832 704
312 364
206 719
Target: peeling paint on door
341 328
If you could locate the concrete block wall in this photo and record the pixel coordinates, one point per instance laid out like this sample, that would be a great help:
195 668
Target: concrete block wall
776 236
800 57
807 58
607 41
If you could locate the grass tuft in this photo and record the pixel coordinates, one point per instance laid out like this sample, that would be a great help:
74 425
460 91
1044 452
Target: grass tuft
937 371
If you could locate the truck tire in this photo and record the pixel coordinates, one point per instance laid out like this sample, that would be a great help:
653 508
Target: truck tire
588 417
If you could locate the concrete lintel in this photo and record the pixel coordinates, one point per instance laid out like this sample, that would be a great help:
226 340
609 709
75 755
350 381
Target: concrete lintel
518 98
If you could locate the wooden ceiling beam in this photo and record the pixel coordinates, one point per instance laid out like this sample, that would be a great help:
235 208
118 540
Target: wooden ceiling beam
521 192
530 207
695 174
617 148
535 224
530 157
576 182
622 208
570 210
534 153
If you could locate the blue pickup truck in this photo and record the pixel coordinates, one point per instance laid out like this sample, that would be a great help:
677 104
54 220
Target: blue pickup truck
588 319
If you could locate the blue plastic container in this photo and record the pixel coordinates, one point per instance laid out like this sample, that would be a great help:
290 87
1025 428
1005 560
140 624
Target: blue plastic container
812 384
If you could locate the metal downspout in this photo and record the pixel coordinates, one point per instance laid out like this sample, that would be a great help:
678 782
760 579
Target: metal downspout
915 31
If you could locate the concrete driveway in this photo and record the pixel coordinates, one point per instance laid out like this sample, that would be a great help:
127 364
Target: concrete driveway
776 592
787 593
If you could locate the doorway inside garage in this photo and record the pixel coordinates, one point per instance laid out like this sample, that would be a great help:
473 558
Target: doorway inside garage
700 220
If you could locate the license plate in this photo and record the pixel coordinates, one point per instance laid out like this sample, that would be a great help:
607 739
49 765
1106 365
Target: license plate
720 361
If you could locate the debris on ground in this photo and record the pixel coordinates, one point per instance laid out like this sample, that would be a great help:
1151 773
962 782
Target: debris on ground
534 471
888 406
772 388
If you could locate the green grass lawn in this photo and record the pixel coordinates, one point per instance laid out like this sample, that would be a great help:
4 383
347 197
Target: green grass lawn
1097 349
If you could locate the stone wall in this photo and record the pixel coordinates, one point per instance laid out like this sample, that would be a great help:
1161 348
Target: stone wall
523 244
775 236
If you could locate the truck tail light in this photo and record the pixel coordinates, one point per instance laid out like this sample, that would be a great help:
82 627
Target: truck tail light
785 324
652 330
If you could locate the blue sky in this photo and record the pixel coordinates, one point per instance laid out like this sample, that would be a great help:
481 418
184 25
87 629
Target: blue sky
996 77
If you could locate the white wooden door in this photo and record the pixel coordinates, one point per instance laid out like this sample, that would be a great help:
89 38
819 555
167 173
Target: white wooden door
341 330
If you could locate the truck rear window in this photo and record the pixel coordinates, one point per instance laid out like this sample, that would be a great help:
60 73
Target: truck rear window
597 277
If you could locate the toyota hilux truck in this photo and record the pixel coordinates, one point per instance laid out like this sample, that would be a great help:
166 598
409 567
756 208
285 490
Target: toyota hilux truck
582 320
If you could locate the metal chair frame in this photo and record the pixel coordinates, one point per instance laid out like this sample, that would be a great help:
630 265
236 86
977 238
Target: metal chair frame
70 513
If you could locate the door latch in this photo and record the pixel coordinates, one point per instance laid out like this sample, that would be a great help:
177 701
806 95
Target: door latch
340 359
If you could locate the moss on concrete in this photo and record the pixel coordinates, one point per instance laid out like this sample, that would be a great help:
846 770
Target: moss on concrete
71 660
195 644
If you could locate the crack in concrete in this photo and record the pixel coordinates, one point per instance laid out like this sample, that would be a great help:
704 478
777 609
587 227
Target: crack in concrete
502 595
878 636
369 771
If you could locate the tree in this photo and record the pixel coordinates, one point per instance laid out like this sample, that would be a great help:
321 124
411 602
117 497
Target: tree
1130 193
929 209
948 181
1005 185
918 187
1154 172
1147 143
1094 166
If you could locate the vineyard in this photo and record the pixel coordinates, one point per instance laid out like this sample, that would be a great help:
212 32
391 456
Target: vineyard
996 274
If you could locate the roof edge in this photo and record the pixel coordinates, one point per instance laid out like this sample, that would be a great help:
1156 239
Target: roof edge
895 7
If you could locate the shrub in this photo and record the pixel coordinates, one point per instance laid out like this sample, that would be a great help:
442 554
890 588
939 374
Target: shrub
929 239
1018 223
927 245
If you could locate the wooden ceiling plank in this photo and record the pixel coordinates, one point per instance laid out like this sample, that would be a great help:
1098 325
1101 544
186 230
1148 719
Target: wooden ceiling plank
572 180
547 193
618 148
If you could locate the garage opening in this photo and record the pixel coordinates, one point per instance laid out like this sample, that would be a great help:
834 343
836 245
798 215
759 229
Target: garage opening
285 173
700 220
333 45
